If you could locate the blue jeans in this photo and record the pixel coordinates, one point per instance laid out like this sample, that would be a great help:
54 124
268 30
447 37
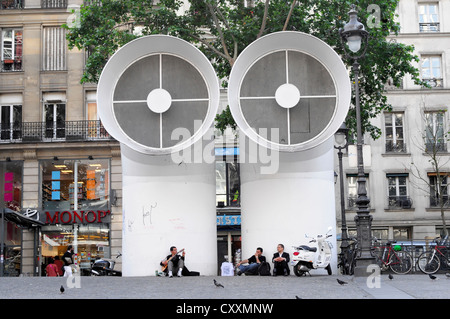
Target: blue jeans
250 267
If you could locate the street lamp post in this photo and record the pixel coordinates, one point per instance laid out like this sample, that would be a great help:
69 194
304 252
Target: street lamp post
341 139
355 37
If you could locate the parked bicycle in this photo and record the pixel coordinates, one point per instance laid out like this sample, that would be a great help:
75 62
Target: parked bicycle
347 259
438 257
393 257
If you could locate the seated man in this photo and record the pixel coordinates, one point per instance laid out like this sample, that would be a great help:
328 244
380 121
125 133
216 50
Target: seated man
173 262
281 262
253 263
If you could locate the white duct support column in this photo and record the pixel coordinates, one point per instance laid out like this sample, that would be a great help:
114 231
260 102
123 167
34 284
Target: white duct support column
289 92
298 199
167 204
158 96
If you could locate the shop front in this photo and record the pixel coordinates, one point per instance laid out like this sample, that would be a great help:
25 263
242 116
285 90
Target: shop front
12 224
228 238
12 219
76 211
228 204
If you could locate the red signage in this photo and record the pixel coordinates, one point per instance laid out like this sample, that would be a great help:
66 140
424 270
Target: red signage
77 217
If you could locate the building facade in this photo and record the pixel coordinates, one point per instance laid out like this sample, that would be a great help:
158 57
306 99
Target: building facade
57 159
401 177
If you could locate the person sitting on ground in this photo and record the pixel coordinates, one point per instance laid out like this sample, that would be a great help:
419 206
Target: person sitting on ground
173 262
280 262
253 263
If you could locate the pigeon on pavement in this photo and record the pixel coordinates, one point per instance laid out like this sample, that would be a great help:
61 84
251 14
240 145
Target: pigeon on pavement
341 282
391 277
432 277
218 284
61 289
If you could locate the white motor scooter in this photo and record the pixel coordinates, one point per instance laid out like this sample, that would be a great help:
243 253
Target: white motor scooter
307 258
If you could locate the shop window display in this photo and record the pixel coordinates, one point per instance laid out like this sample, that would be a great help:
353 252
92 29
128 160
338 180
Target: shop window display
11 198
76 187
12 258
75 184
91 242
11 181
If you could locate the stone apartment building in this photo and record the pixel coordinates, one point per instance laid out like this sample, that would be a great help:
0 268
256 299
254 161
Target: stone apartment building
55 156
403 203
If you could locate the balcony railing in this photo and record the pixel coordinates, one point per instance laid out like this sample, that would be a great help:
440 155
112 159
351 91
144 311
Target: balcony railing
389 85
53 4
429 27
11 65
435 82
434 201
440 147
404 202
68 131
11 4
92 3
398 147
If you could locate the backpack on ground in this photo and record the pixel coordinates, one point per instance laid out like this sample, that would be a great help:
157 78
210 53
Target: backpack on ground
264 269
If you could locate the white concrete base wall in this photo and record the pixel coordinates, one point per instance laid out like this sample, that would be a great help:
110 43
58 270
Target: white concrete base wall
284 206
167 204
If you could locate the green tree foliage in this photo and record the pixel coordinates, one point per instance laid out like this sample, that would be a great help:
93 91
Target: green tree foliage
223 28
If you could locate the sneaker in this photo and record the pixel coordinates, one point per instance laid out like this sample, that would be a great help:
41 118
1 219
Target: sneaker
179 273
170 274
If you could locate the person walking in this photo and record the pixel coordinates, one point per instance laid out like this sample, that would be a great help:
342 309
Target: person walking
68 261
51 270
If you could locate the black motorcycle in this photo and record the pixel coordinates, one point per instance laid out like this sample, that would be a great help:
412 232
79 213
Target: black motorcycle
105 267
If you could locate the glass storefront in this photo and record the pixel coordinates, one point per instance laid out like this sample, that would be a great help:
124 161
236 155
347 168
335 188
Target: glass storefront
70 189
11 173
91 242
75 184
11 181
12 253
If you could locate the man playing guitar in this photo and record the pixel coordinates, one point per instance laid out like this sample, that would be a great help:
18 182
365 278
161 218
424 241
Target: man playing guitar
174 262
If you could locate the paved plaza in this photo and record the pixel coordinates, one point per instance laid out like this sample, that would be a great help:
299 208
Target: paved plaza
416 286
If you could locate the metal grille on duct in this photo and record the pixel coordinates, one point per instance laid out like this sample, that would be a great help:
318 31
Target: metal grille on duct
160 93
289 91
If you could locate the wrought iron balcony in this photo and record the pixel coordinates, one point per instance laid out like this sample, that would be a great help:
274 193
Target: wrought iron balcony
11 65
437 147
404 202
434 82
429 27
11 4
53 4
41 132
397 147
434 201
